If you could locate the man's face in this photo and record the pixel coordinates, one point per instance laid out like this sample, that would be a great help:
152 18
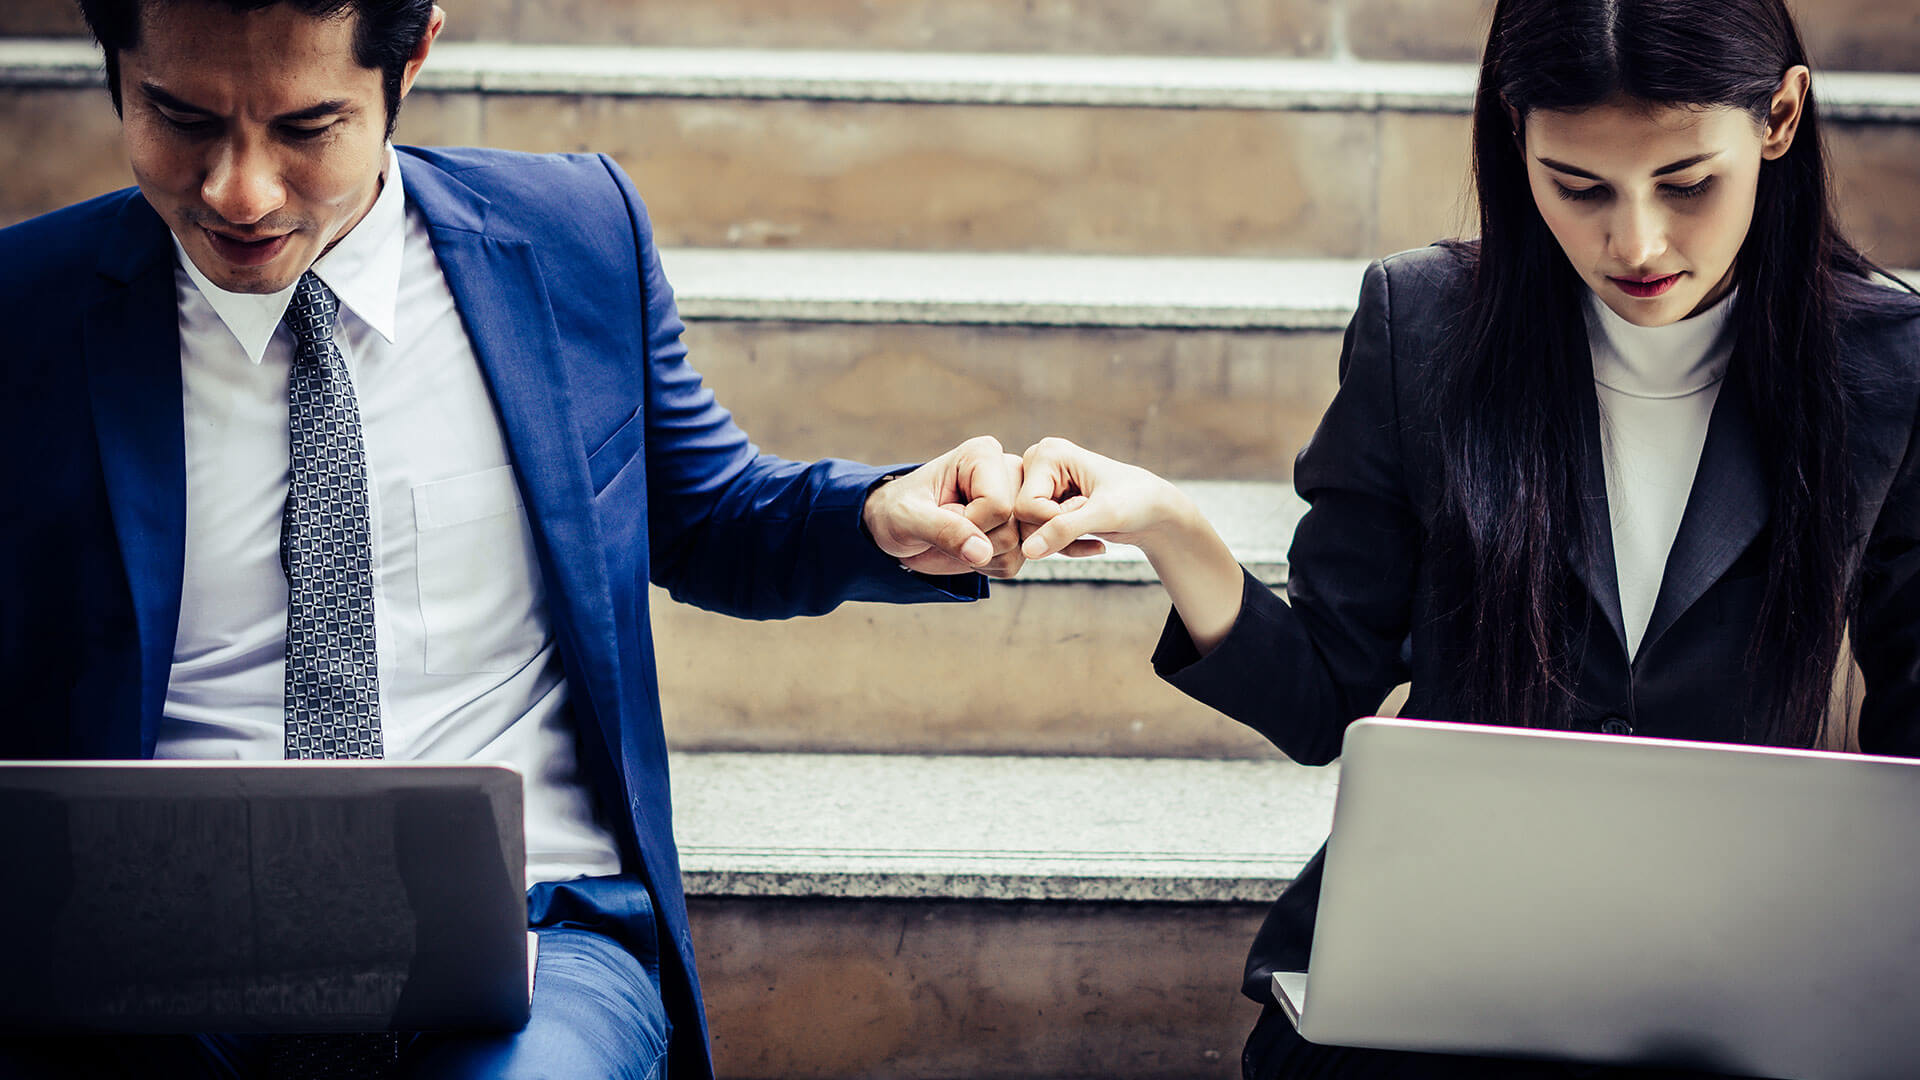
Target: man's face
257 136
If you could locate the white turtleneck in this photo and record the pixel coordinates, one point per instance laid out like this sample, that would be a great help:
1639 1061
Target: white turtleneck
1657 386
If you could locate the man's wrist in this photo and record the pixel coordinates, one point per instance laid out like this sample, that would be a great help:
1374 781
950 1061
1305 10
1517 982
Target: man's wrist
867 504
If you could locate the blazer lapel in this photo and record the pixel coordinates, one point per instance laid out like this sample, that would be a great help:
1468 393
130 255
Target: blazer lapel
503 302
1593 560
1726 509
132 358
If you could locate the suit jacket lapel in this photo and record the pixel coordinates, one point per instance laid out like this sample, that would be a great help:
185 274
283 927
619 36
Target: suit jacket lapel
132 356
503 302
1726 509
1593 560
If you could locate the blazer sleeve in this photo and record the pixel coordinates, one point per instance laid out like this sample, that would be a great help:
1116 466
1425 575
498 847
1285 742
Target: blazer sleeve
735 530
1298 671
1885 633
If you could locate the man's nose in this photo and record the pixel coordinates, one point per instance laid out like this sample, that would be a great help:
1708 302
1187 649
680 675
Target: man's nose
1637 236
242 185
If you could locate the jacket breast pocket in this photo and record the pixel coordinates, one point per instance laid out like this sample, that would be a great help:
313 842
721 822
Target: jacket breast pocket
617 451
482 600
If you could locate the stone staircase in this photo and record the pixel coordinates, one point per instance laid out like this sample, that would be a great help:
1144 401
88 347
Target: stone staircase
906 915
942 152
986 841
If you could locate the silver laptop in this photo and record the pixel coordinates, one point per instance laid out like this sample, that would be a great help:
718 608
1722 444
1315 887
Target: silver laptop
1619 900
310 896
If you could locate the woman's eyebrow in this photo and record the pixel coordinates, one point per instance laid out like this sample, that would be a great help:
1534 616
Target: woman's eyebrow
1686 163
1683 163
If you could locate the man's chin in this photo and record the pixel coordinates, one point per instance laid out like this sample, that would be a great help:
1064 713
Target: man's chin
271 278
254 286
245 268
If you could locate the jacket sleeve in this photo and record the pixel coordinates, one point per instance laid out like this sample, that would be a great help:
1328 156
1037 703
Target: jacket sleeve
1299 672
737 531
1885 632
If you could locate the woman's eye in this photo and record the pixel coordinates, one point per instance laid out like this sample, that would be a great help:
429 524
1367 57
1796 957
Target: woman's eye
1691 190
1580 194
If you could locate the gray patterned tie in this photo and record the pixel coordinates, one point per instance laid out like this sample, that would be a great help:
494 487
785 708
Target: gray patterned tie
326 547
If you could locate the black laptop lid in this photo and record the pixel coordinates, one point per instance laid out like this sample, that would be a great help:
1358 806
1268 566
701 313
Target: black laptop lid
317 896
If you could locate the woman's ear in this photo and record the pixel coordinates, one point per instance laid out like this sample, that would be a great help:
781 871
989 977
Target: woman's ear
1783 115
1516 124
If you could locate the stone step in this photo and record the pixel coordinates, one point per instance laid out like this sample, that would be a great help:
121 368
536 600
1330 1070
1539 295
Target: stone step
902 151
1216 368
984 917
1213 368
1055 662
975 289
1001 828
1861 35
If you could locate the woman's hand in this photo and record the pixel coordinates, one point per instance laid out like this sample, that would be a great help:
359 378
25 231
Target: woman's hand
1072 499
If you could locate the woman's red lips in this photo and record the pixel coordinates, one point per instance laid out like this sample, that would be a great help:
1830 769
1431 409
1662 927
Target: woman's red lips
243 252
1643 288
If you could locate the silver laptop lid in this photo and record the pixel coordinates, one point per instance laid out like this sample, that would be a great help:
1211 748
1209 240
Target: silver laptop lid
1621 900
317 896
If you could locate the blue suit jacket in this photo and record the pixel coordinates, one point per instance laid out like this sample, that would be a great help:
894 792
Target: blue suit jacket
629 470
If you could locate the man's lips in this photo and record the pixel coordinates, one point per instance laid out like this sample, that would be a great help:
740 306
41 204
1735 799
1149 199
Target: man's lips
1644 287
246 252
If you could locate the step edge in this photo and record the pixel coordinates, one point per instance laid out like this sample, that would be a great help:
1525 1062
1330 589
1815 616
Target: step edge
993 852
912 885
1004 313
706 289
638 71
1013 288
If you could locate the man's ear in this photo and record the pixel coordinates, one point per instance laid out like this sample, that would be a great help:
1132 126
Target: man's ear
1783 114
435 24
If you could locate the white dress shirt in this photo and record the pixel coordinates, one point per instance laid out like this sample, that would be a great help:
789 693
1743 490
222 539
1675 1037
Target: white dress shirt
1657 387
468 669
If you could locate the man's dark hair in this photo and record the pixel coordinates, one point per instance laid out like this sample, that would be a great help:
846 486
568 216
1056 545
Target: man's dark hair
385 37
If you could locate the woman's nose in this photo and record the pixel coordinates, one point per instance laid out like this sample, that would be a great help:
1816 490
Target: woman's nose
1637 237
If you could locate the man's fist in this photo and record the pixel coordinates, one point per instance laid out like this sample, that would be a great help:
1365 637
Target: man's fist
953 515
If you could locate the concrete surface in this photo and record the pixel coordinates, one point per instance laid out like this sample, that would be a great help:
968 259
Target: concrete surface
924 827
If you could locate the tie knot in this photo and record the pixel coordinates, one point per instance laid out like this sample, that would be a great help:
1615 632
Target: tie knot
311 313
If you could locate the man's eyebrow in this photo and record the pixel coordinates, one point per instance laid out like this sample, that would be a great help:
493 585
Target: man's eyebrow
333 107
168 101
330 107
1683 163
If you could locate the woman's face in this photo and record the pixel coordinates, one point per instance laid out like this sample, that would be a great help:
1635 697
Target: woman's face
1652 203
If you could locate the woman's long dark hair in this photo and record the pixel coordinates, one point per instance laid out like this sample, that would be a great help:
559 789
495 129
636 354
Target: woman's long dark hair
1510 403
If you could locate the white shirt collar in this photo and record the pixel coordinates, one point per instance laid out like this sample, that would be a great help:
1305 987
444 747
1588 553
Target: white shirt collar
363 270
1660 361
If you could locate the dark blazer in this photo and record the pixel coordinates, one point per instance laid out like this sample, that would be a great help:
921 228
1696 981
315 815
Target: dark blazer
629 470
1361 618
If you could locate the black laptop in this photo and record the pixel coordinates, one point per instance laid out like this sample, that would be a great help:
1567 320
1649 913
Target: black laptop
263 897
